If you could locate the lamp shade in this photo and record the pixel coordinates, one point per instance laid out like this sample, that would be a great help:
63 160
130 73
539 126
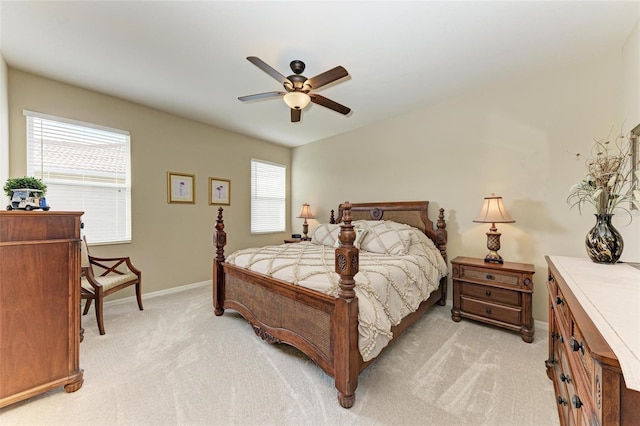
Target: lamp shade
305 212
493 211
296 100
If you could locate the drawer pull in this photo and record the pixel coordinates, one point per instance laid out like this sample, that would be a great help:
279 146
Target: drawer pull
559 300
490 277
576 346
565 378
562 401
488 310
488 293
575 400
557 336
550 279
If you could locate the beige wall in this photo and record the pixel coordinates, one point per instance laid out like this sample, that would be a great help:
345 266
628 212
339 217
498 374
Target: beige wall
4 123
630 80
517 138
172 243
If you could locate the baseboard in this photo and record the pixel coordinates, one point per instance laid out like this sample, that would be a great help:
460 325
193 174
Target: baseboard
159 292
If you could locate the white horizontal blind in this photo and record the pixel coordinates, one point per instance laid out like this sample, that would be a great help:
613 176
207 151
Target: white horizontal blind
86 168
268 197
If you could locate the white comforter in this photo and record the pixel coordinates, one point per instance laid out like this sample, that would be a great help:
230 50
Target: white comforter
388 287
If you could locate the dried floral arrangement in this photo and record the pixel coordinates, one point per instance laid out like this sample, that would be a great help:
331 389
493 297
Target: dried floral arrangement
609 183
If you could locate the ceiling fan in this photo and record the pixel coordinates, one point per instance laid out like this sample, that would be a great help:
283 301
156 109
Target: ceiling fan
297 87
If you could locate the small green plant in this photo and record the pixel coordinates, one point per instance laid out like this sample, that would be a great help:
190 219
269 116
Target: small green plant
26 182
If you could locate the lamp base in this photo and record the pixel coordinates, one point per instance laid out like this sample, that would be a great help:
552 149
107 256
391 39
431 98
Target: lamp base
493 257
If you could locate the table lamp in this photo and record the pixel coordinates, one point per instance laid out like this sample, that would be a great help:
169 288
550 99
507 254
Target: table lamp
493 212
305 214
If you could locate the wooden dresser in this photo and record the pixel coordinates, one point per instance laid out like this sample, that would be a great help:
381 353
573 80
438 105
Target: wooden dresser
588 381
39 303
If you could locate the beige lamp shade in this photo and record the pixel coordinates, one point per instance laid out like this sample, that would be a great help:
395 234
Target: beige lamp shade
493 211
305 212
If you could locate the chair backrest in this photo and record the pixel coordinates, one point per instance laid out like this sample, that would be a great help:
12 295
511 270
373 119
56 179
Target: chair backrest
84 254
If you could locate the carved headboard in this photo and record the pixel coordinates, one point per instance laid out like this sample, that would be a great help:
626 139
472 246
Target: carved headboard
412 213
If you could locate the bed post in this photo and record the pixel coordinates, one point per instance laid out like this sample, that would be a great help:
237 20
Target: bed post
346 354
441 242
220 240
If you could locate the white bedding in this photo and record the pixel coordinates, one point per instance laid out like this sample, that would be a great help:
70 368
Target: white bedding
388 287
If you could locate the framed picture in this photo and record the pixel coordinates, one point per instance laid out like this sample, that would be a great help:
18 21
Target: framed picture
219 191
181 188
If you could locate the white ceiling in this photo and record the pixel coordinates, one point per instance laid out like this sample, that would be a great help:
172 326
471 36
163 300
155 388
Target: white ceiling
188 58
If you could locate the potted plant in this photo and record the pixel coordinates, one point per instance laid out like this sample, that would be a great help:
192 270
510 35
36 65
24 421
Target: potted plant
611 184
26 193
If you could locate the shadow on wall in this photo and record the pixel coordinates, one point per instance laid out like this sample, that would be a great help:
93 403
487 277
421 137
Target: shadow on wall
533 216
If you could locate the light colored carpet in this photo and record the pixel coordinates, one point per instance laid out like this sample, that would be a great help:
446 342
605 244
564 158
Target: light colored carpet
176 363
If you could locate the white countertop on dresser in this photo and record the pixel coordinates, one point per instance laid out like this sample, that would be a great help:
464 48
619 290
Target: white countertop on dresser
610 295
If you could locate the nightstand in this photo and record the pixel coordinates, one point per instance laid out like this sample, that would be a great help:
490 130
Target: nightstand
292 240
496 294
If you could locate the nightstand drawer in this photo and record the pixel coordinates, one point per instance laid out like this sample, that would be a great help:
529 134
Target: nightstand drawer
491 294
492 311
490 276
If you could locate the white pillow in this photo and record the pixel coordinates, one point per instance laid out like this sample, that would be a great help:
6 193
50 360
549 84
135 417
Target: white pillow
326 234
360 234
385 236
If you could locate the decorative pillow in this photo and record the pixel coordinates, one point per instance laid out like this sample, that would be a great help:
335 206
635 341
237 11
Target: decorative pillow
385 236
326 234
360 234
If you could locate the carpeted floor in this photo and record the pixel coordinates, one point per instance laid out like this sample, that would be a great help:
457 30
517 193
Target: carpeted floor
176 363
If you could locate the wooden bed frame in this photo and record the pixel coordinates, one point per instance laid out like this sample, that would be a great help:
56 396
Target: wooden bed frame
322 326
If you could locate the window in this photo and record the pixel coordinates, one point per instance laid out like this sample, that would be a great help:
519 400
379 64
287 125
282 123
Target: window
268 197
86 168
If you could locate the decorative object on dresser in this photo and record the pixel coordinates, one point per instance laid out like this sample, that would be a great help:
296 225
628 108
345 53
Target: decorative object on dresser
496 294
39 303
611 184
305 213
594 350
493 211
325 326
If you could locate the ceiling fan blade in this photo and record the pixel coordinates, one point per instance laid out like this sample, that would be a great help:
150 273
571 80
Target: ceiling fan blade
268 69
328 103
260 96
295 115
327 77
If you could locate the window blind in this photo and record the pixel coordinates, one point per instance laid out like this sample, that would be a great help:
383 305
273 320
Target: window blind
86 168
268 197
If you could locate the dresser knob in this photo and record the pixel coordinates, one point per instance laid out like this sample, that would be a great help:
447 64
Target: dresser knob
550 279
562 401
575 400
576 346
488 310
490 277
559 300
565 378
488 293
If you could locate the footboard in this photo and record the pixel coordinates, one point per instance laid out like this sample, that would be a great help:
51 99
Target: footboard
281 313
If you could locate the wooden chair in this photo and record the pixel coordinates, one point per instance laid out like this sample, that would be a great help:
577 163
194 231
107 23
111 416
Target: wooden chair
102 276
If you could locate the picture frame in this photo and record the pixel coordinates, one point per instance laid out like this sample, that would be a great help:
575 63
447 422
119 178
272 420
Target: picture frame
219 191
181 188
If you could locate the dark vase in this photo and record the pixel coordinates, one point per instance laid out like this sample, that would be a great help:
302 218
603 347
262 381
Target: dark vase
604 243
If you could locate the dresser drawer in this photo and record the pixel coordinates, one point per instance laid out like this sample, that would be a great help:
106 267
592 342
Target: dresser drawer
491 294
506 314
491 276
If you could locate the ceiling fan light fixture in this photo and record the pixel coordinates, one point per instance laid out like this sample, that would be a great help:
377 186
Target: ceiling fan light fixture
297 100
